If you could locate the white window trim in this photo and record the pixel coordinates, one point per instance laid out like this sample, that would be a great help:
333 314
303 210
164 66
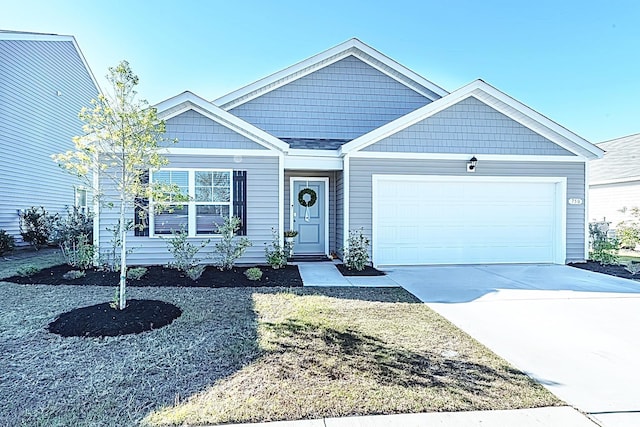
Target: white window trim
87 205
192 203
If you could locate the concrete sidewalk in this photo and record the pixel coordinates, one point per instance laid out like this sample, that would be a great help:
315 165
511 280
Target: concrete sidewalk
563 416
326 274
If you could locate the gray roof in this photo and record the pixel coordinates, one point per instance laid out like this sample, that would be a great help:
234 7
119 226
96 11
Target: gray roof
621 160
315 143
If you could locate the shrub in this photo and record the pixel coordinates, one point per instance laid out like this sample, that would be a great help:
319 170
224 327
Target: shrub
628 234
275 253
229 249
633 267
254 273
136 273
35 226
185 254
356 254
73 274
7 242
604 249
27 270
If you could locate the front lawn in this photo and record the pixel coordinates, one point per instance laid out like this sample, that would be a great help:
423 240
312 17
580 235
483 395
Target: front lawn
246 354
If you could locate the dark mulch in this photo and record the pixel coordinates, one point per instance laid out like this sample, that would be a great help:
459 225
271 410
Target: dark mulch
102 320
611 270
163 276
368 271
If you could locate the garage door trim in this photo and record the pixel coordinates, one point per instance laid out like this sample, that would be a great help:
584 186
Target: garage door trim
559 243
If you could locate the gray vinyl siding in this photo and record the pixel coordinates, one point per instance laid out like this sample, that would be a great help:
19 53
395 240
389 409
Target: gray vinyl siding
262 210
35 123
193 130
340 101
332 200
469 127
339 212
360 184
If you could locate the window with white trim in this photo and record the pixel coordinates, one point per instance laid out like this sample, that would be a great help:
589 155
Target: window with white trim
210 201
81 197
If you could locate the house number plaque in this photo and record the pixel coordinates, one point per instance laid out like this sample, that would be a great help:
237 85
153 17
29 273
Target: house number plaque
575 201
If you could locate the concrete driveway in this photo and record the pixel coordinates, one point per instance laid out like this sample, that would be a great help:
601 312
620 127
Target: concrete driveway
576 332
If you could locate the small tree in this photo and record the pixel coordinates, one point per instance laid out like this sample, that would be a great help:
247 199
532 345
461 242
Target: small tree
121 143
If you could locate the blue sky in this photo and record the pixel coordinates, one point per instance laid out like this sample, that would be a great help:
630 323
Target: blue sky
576 62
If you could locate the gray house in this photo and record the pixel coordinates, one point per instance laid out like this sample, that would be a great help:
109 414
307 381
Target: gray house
44 82
350 139
614 180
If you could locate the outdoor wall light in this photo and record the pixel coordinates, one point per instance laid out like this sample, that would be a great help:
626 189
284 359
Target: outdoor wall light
471 164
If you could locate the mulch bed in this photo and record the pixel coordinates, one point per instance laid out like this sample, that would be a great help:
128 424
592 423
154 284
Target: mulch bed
102 320
611 270
368 271
163 276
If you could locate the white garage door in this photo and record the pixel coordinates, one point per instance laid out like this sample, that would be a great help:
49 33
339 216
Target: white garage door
467 220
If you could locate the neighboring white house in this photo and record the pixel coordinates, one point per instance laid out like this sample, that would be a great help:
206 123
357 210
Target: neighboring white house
349 139
614 180
44 82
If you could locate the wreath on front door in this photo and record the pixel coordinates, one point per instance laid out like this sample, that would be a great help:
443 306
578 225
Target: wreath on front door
313 197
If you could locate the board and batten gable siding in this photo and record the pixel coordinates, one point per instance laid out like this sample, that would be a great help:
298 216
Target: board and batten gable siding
43 86
262 211
362 169
331 191
343 100
469 126
193 130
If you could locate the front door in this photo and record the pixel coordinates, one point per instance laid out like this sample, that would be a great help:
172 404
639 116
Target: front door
309 215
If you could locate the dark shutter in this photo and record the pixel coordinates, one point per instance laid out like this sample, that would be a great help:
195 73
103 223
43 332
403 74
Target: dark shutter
141 210
240 200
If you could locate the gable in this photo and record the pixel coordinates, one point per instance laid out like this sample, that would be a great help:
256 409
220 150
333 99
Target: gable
194 130
343 100
619 163
469 127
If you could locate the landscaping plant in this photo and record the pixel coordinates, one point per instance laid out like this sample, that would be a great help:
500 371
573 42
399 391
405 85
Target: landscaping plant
604 249
73 274
253 273
628 232
185 254
122 141
228 249
356 254
136 273
275 253
73 234
7 242
27 270
35 226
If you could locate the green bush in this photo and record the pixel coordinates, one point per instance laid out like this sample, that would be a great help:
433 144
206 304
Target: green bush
73 274
27 270
7 242
136 273
628 234
633 267
185 254
228 249
356 254
36 226
73 233
275 253
253 273
604 249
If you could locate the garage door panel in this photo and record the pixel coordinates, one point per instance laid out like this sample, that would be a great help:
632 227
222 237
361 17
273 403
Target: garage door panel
418 221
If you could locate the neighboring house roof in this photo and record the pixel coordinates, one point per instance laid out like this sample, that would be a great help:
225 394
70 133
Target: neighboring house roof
495 99
190 101
23 35
352 47
620 161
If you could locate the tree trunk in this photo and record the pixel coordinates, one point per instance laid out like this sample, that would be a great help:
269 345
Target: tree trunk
123 257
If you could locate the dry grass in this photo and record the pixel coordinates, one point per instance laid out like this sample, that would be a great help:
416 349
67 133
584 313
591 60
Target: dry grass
246 355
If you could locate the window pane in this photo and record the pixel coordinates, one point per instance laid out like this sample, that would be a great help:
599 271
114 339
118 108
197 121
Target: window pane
221 179
221 194
81 197
203 194
171 219
208 216
203 179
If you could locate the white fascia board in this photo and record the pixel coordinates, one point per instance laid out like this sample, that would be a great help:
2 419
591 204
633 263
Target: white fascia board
313 153
53 38
313 163
459 156
219 152
616 181
321 60
220 116
477 88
